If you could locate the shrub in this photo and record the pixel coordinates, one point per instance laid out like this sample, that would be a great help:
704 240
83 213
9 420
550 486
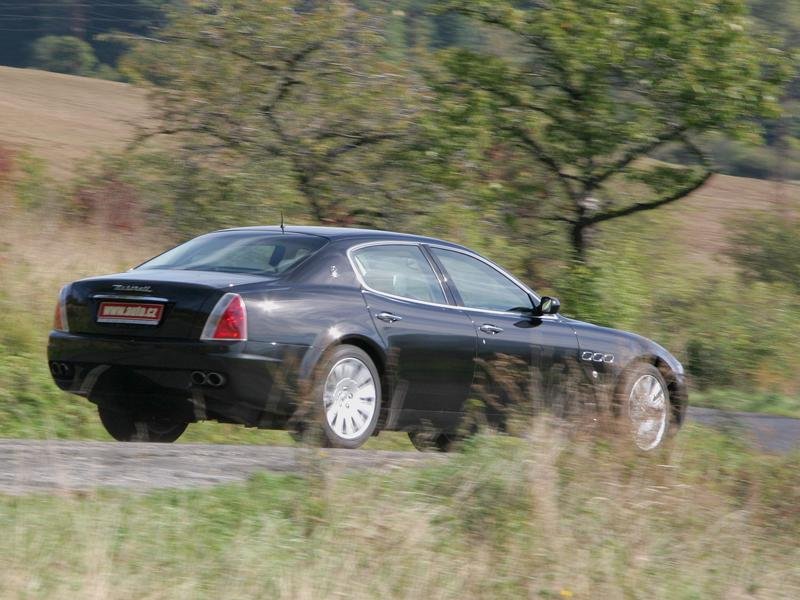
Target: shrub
765 248
63 54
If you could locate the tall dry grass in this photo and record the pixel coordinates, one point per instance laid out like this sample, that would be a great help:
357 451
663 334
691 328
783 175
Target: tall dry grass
40 250
548 516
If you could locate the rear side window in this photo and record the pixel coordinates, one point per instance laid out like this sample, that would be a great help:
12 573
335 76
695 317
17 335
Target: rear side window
481 285
399 270
238 252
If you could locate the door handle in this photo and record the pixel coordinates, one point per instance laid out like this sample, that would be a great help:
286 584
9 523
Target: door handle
491 329
388 317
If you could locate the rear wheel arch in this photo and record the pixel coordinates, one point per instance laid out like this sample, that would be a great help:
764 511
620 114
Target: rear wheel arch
317 355
314 419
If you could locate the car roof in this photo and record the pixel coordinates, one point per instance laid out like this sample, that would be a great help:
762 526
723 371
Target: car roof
346 233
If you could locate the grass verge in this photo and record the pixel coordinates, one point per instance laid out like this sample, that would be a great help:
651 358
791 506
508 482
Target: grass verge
542 517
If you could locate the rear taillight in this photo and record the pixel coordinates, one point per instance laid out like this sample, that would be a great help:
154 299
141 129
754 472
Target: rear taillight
60 322
228 320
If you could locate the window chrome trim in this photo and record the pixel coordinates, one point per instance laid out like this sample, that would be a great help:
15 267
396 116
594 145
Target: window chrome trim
365 287
360 277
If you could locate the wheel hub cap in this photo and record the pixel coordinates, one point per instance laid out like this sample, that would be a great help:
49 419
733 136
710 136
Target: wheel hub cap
349 398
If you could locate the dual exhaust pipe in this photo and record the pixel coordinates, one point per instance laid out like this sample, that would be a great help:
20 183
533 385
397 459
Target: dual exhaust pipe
60 370
209 378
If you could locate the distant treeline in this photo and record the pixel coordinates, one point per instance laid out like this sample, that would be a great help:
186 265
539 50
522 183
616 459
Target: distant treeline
86 37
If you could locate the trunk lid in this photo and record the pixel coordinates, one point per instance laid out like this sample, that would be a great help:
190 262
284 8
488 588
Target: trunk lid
167 304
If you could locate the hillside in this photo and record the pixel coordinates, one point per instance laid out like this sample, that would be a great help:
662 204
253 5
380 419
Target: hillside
705 216
63 118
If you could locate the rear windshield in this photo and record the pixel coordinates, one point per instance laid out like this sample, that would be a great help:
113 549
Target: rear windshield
237 252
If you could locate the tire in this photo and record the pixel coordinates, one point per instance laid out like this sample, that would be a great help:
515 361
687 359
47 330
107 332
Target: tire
347 392
124 427
647 411
426 441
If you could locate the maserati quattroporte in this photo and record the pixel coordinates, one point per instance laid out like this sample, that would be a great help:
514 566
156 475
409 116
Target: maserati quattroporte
360 330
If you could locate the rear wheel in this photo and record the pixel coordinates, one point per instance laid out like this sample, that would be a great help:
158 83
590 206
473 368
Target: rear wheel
124 426
348 392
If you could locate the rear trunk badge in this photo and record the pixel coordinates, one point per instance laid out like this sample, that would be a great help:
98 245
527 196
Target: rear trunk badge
125 287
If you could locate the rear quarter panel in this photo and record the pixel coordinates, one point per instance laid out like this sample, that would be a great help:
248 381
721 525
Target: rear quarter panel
317 307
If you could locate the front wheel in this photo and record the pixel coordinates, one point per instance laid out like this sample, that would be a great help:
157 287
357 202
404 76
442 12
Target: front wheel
645 398
123 426
348 392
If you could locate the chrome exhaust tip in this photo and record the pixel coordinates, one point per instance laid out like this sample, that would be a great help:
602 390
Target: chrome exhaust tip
60 370
215 379
199 378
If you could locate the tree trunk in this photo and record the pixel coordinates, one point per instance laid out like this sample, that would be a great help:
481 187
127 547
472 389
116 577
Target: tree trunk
578 238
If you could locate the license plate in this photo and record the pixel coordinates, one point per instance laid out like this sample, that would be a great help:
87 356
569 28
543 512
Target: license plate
130 312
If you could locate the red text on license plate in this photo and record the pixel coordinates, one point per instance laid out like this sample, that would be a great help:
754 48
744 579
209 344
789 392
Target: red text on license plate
130 312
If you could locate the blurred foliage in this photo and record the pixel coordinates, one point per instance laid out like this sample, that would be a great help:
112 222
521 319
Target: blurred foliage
589 89
32 186
24 23
63 54
728 332
70 55
409 26
766 246
313 126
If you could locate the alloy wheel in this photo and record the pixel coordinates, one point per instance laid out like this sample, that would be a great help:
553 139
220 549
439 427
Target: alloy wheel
648 409
349 398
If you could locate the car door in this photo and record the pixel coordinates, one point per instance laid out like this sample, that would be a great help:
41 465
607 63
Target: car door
430 343
522 355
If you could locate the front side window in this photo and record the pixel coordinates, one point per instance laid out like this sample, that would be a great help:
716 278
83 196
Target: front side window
399 270
480 285
239 252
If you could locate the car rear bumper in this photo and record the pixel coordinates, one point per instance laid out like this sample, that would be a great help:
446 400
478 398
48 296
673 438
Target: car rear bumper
156 375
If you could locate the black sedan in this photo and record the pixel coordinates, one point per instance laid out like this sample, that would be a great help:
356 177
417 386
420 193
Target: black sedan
356 330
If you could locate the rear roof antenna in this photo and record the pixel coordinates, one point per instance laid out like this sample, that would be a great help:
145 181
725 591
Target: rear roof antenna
282 229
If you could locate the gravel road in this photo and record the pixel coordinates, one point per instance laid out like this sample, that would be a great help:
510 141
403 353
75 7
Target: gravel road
770 433
33 465
29 466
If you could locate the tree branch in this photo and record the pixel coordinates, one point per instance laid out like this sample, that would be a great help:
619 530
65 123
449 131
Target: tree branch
531 144
359 141
563 84
634 152
643 206
288 80
687 189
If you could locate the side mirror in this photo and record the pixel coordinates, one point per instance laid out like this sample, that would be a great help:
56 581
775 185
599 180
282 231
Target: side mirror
548 306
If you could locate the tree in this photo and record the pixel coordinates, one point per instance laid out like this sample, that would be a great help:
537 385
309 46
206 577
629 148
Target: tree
590 89
297 90
764 246
63 54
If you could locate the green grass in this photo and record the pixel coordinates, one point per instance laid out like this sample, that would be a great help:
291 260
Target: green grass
545 517
770 403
